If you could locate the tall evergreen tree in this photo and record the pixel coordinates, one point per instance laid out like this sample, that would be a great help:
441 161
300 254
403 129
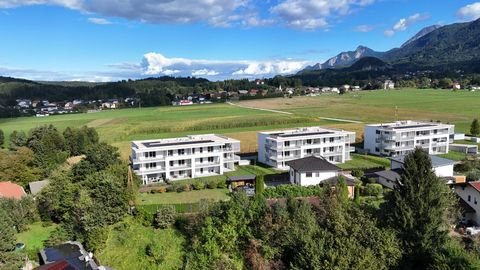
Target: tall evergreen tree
418 211
2 138
475 127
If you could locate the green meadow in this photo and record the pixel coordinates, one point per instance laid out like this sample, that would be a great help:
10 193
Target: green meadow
119 127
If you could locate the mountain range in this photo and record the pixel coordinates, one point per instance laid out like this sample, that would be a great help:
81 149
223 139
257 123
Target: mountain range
433 46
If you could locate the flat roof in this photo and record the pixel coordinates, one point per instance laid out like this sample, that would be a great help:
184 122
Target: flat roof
286 135
306 131
407 124
187 140
436 161
241 177
160 144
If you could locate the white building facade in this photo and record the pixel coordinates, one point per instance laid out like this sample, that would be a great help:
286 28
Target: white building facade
275 148
185 157
470 194
401 137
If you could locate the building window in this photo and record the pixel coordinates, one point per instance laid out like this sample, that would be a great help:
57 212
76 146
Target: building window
377 131
317 174
475 200
309 141
171 163
181 152
309 151
287 144
287 153
308 174
469 198
201 149
210 149
201 170
211 159
170 152
332 139
181 162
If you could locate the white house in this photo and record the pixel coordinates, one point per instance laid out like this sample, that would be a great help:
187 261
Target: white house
388 84
401 137
442 167
275 148
469 193
185 157
311 170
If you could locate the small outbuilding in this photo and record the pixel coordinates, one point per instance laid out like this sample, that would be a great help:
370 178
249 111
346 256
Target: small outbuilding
242 183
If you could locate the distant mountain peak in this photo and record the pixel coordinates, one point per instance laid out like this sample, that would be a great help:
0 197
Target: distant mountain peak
345 59
425 31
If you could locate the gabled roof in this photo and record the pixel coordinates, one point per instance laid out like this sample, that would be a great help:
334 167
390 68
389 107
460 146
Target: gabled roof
436 161
334 181
391 175
475 185
11 190
312 163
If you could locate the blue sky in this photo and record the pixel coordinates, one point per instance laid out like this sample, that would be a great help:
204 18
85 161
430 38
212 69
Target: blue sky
104 40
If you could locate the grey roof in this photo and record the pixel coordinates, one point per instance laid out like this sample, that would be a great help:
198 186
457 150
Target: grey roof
436 161
391 175
414 126
287 135
312 163
36 187
158 144
241 177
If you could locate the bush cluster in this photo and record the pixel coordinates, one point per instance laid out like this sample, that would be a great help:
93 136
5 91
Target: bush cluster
196 185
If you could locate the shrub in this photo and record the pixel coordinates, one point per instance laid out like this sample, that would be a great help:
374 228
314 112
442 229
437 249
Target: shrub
198 185
259 184
171 188
373 190
222 184
164 217
473 175
184 187
358 173
211 184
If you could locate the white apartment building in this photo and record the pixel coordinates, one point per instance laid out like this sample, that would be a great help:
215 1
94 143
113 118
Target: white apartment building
185 157
276 148
401 137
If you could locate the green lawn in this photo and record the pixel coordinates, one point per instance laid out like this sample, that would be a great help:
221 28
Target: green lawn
365 162
127 244
119 127
453 155
193 196
35 235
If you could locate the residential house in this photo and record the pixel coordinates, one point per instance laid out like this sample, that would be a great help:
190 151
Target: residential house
334 90
345 87
388 84
243 92
356 88
24 103
275 148
185 157
456 86
401 137
442 167
309 171
11 191
471 149
253 92
469 193
259 82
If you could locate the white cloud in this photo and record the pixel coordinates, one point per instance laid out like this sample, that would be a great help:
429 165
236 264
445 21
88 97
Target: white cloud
470 12
73 4
389 33
314 14
404 23
204 72
101 21
158 64
364 28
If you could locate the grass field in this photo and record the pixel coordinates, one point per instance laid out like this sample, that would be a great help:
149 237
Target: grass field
121 126
183 197
126 248
365 162
34 237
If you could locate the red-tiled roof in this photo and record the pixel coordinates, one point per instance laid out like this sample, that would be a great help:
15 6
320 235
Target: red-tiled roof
11 190
475 185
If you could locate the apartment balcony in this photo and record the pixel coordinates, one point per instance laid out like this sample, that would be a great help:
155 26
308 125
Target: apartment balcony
177 167
157 169
207 164
351 149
